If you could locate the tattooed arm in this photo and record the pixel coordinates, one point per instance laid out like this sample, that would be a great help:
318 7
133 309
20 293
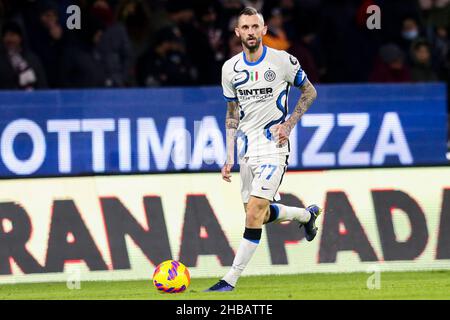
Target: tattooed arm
231 125
308 96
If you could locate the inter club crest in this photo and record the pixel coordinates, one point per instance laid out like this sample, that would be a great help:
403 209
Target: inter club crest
269 75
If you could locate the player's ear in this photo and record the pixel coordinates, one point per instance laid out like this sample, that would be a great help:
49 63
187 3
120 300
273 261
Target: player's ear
264 30
236 31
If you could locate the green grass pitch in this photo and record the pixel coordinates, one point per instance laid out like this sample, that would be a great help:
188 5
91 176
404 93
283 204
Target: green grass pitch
394 285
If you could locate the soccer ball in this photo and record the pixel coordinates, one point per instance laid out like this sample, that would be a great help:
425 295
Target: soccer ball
171 276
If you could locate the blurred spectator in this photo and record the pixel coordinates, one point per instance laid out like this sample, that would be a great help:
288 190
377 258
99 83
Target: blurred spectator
101 10
83 65
306 58
440 47
409 34
234 45
229 10
436 13
114 46
19 67
136 17
290 12
196 41
303 34
232 6
276 36
257 4
166 63
207 19
393 16
345 47
410 29
329 37
422 70
444 65
46 37
390 67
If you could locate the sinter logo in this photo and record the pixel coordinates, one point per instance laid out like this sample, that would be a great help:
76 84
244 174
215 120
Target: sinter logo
255 94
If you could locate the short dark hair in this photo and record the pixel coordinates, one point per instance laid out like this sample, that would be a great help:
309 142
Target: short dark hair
421 42
13 27
250 11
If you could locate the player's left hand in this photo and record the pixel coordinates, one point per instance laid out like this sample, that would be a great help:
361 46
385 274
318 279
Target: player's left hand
281 133
226 172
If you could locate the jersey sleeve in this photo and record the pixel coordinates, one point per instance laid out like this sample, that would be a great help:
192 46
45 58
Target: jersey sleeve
293 71
229 93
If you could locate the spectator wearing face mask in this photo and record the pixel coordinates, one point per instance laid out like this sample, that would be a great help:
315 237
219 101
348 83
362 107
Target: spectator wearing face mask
410 29
409 33
19 67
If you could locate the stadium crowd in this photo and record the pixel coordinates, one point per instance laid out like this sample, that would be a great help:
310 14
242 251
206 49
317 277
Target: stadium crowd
147 43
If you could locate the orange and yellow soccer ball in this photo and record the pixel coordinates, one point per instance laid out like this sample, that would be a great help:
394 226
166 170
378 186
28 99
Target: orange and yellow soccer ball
171 276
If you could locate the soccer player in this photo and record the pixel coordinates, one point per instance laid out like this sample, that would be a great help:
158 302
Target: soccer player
256 86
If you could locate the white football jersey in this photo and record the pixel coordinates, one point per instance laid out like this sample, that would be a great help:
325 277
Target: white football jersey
262 89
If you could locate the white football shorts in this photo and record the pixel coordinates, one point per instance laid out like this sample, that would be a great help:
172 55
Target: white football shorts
262 176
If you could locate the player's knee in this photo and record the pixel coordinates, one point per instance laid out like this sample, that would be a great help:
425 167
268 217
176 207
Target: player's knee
256 210
257 206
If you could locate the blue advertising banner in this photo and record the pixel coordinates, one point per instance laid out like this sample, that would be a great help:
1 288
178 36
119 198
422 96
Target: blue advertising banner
52 133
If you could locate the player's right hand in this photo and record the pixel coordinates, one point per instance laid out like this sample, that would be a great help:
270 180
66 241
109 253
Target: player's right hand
226 172
280 134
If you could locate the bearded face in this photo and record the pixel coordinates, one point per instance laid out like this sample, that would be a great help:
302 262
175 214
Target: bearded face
251 43
250 30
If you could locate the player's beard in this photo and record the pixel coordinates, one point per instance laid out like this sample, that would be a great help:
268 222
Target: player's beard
252 48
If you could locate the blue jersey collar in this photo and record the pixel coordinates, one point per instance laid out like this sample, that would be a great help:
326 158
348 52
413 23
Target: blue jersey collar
257 61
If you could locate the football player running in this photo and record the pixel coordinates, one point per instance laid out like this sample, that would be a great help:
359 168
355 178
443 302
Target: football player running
256 86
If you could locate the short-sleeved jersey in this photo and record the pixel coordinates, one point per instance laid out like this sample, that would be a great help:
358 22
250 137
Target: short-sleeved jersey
262 89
